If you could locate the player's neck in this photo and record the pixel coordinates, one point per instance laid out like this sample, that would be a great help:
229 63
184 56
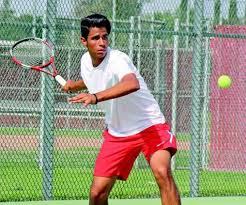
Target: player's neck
96 62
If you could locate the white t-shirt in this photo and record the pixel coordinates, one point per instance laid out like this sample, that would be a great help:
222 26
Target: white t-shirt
129 114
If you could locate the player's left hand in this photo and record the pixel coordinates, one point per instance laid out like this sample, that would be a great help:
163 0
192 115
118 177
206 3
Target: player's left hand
85 98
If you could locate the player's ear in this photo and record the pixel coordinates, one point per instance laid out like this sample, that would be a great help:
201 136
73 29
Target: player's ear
83 41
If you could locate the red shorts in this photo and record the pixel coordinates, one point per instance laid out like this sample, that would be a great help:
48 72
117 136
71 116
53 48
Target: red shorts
117 154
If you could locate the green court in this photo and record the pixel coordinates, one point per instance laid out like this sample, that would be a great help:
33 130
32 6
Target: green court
185 201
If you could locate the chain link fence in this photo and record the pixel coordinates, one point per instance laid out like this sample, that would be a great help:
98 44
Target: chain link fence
48 147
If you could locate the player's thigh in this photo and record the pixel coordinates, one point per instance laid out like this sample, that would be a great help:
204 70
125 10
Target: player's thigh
102 185
160 163
161 158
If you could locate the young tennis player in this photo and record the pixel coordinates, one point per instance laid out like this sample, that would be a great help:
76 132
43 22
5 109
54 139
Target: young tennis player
134 121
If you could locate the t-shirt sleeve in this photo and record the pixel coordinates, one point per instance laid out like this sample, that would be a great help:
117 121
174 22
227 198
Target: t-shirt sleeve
123 65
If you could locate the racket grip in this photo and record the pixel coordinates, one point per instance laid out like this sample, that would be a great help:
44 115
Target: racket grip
60 80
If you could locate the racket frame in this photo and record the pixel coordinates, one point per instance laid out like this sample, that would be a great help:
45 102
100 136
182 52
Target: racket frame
40 68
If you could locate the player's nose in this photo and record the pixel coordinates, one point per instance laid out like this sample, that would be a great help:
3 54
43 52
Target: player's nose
102 42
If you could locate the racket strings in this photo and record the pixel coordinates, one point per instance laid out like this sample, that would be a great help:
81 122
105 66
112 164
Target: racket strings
32 53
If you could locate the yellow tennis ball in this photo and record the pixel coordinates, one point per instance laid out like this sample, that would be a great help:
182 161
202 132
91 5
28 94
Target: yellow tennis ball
224 81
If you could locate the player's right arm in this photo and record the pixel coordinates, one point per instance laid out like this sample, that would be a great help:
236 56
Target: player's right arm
72 86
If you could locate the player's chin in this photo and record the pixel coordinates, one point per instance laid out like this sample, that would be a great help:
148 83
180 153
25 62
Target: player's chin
101 54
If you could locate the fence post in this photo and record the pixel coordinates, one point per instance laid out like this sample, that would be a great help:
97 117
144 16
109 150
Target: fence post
205 118
113 22
152 32
159 81
139 44
131 37
175 83
69 65
196 98
34 21
47 110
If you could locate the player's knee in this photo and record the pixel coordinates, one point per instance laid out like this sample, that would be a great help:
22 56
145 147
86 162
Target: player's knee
97 194
162 174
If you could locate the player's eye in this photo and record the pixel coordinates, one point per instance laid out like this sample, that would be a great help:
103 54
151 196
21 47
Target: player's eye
95 37
105 37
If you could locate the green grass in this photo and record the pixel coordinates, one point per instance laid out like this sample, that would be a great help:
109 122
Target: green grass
25 183
21 178
182 137
153 201
20 131
17 131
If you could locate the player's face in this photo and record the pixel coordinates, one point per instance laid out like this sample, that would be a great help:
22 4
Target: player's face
97 44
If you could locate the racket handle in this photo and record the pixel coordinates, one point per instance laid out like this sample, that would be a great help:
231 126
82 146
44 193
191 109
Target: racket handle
60 80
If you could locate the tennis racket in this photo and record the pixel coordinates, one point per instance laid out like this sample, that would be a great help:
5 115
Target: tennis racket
36 54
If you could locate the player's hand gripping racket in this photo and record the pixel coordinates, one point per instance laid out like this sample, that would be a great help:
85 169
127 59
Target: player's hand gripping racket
36 54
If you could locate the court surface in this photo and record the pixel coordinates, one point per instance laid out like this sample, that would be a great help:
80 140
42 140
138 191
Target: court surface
185 201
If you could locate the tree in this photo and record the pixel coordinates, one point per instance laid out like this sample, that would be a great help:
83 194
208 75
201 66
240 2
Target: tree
123 9
217 12
165 23
11 29
167 18
182 11
6 12
233 18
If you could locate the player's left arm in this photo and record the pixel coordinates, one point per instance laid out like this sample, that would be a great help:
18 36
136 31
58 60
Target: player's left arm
128 84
